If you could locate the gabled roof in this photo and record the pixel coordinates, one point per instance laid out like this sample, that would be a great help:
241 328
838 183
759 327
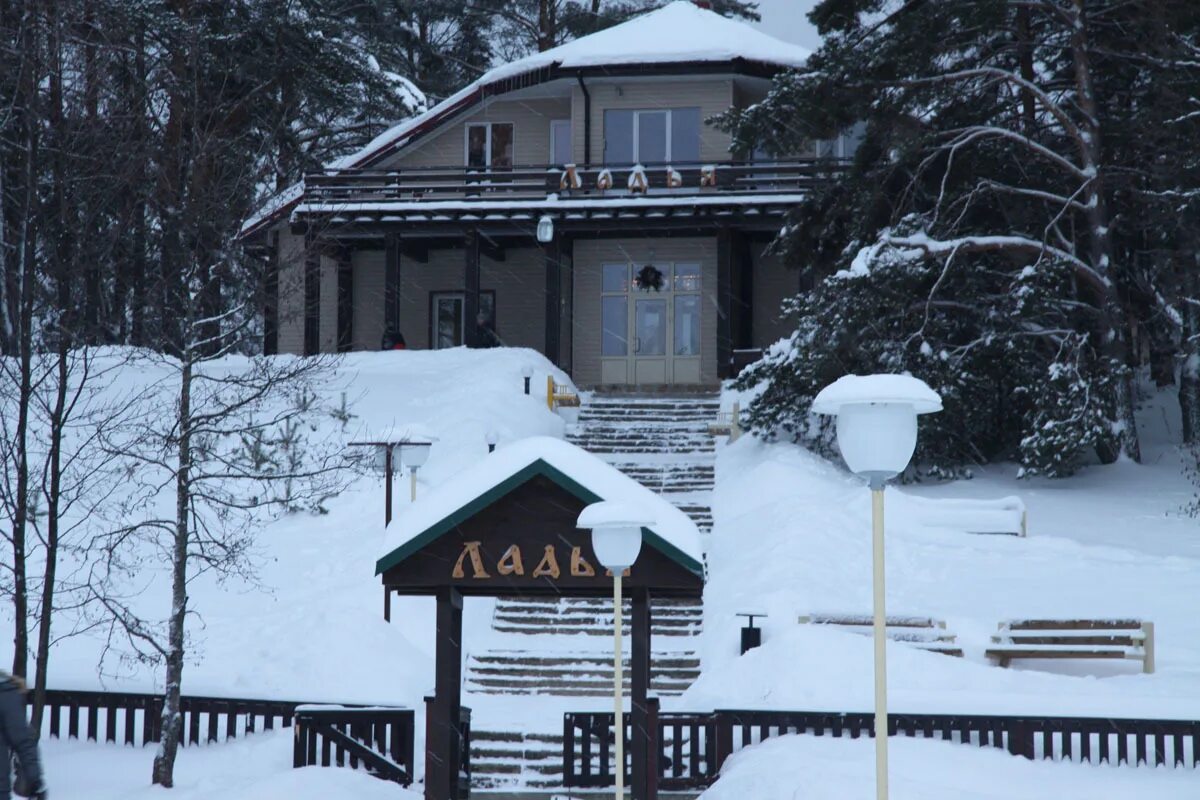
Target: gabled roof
678 33
573 469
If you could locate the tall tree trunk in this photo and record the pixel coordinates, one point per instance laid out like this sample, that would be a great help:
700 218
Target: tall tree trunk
1113 340
53 505
172 720
1189 369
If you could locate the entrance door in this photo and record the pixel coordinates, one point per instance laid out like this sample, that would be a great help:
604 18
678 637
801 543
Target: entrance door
447 320
650 336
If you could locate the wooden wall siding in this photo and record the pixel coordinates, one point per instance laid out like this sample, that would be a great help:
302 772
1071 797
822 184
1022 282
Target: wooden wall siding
773 283
590 255
531 131
368 299
329 305
712 96
291 293
519 282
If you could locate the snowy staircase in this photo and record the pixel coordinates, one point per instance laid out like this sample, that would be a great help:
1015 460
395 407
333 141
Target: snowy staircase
561 647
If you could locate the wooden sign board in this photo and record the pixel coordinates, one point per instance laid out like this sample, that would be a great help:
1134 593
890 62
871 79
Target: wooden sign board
525 543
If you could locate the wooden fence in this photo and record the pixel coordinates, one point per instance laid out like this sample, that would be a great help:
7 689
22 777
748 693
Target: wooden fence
380 740
690 748
133 718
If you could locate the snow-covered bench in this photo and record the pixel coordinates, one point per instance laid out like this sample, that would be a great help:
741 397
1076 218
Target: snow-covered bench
1074 638
923 632
1006 515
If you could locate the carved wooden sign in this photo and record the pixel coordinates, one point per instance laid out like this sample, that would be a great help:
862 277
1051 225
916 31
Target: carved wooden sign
526 542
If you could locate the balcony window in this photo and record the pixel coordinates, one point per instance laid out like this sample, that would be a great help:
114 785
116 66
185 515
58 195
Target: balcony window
651 137
490 145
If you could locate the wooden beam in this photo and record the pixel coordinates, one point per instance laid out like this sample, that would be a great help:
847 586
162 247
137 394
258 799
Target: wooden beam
639 679
490 247
416 250
552 258
391 283
724 302
312 297
443 751
271 300
471 287
345 301
743 291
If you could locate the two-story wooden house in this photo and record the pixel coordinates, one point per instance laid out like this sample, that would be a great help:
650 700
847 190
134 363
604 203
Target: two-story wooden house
576 201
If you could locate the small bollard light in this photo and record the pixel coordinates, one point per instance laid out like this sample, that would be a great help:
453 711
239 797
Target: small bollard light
527 374
751 636
492 439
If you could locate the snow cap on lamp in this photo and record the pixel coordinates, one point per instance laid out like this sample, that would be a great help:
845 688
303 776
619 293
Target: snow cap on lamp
877 420
616 531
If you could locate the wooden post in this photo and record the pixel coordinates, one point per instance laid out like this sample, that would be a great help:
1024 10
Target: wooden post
551 254
550 392
443 746
312 297
724 304
470 288
653 748
1148 654
639 679
391 284
387 604
735 424
345 301
387 490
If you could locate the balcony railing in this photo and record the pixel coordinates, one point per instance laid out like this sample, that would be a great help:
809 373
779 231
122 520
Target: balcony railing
795 176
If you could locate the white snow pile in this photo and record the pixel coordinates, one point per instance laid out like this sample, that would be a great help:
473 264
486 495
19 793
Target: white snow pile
792 538
258 767
303 627
824 768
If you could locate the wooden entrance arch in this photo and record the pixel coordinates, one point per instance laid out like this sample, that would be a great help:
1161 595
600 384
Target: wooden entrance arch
507 527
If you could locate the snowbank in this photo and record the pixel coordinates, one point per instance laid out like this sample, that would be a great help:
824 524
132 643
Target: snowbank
309 626
824 768
792 537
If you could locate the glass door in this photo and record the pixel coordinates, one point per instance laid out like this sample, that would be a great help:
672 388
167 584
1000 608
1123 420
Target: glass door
650 336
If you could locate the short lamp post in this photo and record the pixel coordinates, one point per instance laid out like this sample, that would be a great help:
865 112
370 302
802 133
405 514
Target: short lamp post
877 434
414 455
527 374
492 438
617 540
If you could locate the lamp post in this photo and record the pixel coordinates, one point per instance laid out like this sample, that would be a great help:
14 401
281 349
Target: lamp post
527 374
492 438
616 540
876 434
414 455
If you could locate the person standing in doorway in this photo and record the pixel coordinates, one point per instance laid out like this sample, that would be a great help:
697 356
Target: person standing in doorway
17 739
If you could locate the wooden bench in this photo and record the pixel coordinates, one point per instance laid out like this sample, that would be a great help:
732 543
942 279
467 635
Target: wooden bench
1074 638
727 423
925 633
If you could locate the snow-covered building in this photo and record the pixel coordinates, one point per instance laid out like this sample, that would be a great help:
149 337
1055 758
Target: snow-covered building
578 201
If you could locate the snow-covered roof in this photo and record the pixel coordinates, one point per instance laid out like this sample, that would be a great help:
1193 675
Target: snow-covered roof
680 32
673 532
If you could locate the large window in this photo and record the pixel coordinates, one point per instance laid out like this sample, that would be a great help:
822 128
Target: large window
490 145
651 137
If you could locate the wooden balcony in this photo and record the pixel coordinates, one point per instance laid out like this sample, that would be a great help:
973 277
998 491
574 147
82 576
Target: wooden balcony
729 179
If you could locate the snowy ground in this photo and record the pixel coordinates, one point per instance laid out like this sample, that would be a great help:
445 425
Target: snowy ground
791 537
823 768
258 767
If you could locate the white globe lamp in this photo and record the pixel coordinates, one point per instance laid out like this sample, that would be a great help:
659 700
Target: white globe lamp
876 435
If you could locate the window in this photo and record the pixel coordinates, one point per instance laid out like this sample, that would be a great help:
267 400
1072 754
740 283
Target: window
447 317
651 137
560 142
490 145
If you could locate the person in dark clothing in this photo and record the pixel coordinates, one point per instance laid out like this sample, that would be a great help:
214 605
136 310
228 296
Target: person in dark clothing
392 340
17 739
485 332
